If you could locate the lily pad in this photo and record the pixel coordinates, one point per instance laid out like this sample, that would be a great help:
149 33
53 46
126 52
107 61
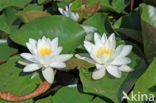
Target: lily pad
6 50
70 33
9 23
101 22
146 84
15 3
148 23
13 80
111 87
126 26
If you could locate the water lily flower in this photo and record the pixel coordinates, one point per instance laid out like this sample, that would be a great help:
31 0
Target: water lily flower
68 13
106 56
45 55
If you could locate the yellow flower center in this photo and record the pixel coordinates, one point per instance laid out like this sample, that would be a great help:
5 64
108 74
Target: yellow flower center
102 51
45 51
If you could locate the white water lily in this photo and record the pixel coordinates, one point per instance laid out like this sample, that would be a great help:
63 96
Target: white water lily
68 13
45 55
90 31
106 56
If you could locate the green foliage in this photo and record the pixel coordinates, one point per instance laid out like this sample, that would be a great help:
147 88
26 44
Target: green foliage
148 23
69 32
146 83
14 80
109 86
6 50
9 23
101 22
126 25
21 20
15 3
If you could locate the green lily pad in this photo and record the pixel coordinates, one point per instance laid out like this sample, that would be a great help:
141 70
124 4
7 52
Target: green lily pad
148 23
6 50
16 3
13 80
69 32
9 20
101 22
130 26
146 84
111 87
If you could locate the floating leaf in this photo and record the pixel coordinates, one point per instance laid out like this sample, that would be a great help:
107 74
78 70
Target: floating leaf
13 80
72 96
114 5
73 63
9 20
86 11
16 3
100 22
148 23
52 26
146 84
32 12
43 87
109 86
6 50
127 26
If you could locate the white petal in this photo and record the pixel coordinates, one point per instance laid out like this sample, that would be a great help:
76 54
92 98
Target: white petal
104 38
32 46
88 28
124 50
98 66
114 71
86 57
125 68
61 10
112 40
62 58
54 43
118 50
28 57
57 51
88 46
48 74
121 61
97 38
98 74
58 65
31 67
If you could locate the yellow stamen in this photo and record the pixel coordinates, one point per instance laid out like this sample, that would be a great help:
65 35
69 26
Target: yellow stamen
102 51
45 51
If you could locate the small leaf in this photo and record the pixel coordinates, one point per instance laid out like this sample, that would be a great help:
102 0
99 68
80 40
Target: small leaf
73 63
32 15
86 11
31 12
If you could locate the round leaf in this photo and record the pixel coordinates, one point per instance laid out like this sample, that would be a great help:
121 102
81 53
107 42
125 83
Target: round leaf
69 32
